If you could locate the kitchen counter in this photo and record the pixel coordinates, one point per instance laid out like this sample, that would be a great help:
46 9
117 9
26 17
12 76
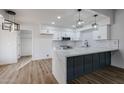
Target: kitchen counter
84 51
59 63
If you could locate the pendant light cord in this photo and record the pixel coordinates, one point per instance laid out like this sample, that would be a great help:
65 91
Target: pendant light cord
79 15
95 17
14 18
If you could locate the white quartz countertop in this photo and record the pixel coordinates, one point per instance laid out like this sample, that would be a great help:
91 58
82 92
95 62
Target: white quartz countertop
84 51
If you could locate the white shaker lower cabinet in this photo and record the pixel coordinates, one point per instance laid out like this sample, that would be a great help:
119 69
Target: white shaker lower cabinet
103 33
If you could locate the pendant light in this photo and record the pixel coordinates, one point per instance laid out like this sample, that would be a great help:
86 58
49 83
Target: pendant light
95 25
11 16
10 24
12 27
79 22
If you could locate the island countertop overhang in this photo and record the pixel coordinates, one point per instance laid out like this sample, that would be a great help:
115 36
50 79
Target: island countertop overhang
84 51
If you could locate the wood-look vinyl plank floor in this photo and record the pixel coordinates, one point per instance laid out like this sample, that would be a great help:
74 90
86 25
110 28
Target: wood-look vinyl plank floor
40 72
108 75
36 72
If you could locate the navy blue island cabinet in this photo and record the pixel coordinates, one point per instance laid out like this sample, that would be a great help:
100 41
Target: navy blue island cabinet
84 64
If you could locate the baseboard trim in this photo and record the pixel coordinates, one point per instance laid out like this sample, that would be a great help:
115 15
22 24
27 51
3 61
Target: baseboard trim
117 67
41 59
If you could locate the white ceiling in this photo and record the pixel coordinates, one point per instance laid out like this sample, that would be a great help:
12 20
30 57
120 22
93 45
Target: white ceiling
46 16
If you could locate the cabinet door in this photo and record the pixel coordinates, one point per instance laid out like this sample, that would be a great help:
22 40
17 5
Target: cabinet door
70 68
108 58
63 34
96 62
87 64
76 35
78 66
57 36
96 35
102 58
103 33
68 34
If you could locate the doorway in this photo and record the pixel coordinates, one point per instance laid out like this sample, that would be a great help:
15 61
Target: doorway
24 48
26 43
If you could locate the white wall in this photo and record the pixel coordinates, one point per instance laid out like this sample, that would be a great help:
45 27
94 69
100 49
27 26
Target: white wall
26 47
42 45
26 42
18 45
8 45
36 42
46 46
108 12
118 33
3 13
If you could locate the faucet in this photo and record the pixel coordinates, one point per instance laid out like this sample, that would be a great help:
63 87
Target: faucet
86 43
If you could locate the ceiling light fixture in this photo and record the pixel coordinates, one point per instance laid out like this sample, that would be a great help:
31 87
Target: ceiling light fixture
95 25
79 22
58 17
53 23
10 24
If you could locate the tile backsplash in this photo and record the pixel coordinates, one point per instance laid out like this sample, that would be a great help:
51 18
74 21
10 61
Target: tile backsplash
78 44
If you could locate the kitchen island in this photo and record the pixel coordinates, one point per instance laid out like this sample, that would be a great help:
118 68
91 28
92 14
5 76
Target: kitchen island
71 63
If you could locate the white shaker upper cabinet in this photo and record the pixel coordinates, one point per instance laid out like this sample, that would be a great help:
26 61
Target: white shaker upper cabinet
76 36
57 35
46 32
103 33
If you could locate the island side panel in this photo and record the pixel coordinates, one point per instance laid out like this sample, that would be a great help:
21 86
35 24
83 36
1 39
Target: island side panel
59 68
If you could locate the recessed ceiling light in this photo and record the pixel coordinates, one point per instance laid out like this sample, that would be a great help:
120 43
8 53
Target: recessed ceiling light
53 23
58 17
